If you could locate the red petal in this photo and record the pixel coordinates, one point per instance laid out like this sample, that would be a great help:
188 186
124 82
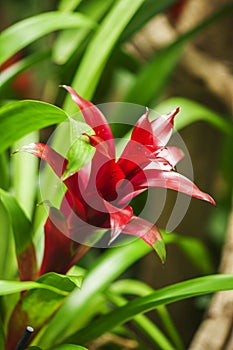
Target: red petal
100 145
72 204
169 179
165 158
57 162
95 118
107 178
60 252
142 132
144 229
162 128
57 251
118 219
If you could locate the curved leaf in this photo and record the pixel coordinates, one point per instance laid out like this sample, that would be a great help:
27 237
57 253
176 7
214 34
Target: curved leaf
164 296
25 32
72 39
144 323
22 229
100 47
36 306
106 269
18 119
10 287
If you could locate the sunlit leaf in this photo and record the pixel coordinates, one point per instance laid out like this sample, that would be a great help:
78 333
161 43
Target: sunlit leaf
8 263
25 32
104 271
17 119
100 47
36 306
79 154
22 229
68 5
164 296
144 323
72 39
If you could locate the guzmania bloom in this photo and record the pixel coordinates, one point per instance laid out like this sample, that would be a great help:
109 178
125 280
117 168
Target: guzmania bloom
98 195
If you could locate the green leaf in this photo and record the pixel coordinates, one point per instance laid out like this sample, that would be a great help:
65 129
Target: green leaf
63 282
164 296
105 270
22 230
80 153
25 172
154 75
27 31
68 5
11 287
8 263
17 119
100 47
135 287
143 322
12 71
37 306
192 112
159 247
69 347
72 39
4 171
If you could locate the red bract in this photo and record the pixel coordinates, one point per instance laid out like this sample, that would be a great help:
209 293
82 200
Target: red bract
99 194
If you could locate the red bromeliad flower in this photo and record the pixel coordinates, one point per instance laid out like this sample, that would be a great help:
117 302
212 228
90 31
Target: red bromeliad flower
98 195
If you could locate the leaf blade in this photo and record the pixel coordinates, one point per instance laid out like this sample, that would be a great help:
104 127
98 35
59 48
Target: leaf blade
19 118
23 33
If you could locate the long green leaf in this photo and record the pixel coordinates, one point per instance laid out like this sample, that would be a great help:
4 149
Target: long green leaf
138 288
100 47
38 305
192 112
154 75
106 269
10 287
68 5
72 39
8 263
18 119
164 296
143 322
25 32
22 229
4 171
25 169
